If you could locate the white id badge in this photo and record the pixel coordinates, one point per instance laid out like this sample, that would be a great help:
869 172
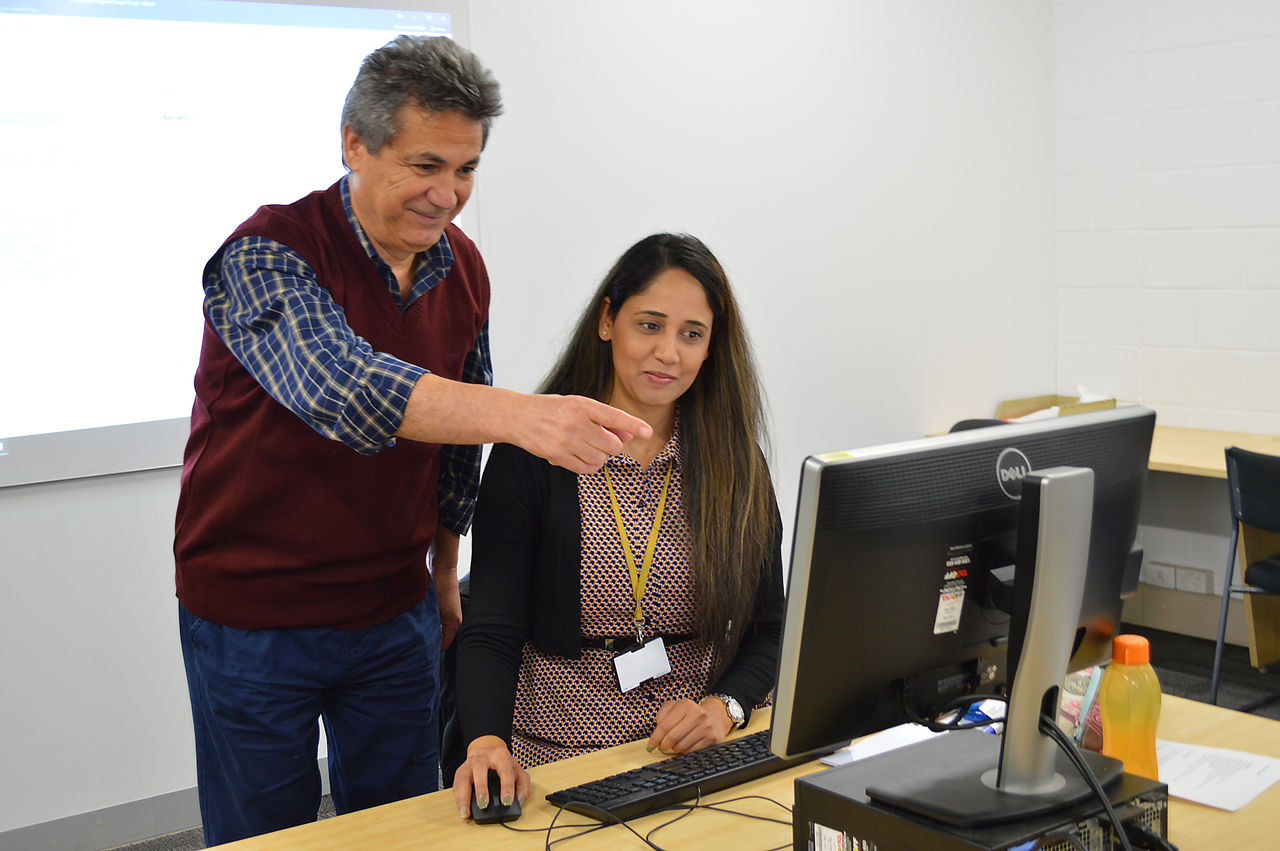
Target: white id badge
641 663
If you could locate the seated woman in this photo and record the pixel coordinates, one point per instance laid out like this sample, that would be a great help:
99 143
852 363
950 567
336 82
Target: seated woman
676 539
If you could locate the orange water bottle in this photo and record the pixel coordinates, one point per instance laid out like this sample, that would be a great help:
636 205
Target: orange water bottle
1129 699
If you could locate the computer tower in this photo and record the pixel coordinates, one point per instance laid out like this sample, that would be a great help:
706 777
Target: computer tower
833 812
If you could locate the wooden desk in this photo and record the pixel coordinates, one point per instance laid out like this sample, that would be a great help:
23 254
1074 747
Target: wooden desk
1194 826
1200 452
430 821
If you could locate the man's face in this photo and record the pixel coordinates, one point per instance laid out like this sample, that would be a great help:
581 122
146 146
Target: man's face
407 193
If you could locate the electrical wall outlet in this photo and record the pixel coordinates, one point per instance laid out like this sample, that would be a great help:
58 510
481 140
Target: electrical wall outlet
1159 575
1193 579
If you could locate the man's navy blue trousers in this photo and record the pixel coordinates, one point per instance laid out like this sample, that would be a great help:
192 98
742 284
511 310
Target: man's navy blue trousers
255 698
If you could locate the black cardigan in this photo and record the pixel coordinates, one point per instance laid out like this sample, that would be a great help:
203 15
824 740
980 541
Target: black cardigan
526 585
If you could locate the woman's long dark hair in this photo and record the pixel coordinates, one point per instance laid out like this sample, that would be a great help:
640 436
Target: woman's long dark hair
728 495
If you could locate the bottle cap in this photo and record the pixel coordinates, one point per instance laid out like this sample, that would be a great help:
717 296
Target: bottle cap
1130 650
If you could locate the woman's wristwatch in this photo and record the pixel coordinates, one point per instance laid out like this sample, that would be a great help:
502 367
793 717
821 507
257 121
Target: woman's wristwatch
734 709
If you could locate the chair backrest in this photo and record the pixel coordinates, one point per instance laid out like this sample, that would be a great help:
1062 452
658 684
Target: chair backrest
965 425
1253 482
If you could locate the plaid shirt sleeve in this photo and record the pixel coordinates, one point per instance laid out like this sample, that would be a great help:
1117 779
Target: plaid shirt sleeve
267 306
460 465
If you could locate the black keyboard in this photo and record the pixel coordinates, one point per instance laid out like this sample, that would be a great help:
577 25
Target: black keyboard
678 778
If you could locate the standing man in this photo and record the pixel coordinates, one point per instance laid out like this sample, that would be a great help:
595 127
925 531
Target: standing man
343 387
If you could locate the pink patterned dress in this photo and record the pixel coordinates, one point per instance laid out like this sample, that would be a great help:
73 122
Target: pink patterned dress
566 707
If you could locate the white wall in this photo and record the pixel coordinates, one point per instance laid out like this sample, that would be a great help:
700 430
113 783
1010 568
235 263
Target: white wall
876 176
1168 206
94 707
1167 121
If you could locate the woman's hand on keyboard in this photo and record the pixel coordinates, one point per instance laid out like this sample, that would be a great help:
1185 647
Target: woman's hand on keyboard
682 726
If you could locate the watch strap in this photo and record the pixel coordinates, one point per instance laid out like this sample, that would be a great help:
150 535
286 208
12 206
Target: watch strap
731 705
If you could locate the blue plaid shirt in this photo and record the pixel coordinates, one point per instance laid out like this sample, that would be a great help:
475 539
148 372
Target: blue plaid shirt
268 307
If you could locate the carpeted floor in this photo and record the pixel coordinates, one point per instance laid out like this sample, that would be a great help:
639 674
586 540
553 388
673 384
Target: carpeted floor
188 840
1183 664
1185 668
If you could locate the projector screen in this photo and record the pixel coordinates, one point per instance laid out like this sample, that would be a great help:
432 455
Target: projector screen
134 136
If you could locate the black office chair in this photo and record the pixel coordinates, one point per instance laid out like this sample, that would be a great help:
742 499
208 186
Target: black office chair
453 751
1253 487
966 425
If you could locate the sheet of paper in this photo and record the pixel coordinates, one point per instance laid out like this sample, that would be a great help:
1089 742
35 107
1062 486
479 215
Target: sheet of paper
885 740
1042 414
908 734
1217 777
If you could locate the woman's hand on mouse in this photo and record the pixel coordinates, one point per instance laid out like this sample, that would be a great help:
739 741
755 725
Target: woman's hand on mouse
485 754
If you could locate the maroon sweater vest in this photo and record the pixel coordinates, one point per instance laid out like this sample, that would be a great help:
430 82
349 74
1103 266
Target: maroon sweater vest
278 526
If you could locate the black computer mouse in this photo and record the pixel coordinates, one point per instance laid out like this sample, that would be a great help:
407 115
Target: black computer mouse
496 811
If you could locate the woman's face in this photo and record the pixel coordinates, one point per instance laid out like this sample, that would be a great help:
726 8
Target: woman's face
659 338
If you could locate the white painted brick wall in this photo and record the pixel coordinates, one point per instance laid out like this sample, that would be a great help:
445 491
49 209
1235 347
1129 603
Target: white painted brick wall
1195 259
1166 318
1262 258
1075 315
1117 201
1182 23
1262 381
1119 318
1168 184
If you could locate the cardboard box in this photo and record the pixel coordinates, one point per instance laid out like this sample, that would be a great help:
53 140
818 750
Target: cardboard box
1012 409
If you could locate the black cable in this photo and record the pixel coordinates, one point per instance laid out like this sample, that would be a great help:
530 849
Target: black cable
1050 728
719 807
595 825
962 704
764 798
968 700
1146 839
696 798
611 819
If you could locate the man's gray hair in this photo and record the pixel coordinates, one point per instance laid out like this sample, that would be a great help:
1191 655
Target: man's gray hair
434 73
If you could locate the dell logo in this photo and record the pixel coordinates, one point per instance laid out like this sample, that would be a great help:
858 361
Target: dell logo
1011 468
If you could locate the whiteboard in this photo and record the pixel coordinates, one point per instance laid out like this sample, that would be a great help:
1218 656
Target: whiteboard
134 136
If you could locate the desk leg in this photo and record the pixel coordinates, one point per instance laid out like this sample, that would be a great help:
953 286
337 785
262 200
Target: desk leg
1261 611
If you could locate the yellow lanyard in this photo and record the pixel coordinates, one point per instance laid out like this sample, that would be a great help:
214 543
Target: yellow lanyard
639 573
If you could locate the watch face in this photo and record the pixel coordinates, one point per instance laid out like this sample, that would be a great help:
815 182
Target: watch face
733 708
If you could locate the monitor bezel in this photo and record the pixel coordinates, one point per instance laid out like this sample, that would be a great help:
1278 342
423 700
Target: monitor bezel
807 506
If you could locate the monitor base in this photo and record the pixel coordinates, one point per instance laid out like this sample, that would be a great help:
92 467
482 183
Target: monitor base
833 804
959 786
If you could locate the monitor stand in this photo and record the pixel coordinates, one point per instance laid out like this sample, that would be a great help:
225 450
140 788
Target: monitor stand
956 783
988 779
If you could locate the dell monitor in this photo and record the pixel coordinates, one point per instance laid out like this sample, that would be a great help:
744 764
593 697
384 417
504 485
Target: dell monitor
991 560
